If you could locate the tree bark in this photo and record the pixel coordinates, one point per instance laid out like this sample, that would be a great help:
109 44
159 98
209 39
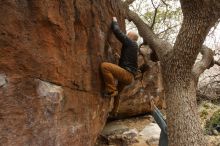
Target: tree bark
182 116
183 121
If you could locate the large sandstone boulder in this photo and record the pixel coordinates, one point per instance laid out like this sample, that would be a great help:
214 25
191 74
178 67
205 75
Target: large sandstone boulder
135 98
138 131
50 52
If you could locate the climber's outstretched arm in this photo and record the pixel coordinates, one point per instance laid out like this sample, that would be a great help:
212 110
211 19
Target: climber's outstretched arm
118 33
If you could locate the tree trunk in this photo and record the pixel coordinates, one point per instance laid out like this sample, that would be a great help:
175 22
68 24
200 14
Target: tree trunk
177 64
182 116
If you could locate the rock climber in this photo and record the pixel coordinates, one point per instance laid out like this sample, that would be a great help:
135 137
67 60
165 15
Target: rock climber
125 71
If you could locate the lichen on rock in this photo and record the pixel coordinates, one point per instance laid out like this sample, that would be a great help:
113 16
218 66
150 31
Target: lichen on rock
3 80
51 92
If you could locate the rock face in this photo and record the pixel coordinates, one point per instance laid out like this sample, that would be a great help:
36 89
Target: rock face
50 52
50 84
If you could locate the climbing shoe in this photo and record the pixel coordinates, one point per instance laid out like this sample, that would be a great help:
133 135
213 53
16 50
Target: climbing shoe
110 94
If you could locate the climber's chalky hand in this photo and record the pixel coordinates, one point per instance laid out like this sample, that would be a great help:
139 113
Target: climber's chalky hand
114 19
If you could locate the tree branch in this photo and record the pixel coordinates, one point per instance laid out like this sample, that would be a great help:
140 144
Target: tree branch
150 38
200 6
204 63
128 2
214 5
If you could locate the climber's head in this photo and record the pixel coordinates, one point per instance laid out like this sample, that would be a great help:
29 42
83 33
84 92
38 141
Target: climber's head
132 35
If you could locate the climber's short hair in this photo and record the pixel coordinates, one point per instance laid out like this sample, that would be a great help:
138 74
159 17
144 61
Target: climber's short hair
132 35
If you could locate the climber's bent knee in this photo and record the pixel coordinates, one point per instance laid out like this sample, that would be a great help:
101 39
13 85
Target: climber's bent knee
105 65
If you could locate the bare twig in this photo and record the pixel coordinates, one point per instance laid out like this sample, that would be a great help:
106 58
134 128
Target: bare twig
152 2
211 77
164 31
204 96
164 3
155 14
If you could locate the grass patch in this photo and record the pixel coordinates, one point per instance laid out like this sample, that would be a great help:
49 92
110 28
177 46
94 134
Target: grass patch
213 122
203 114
